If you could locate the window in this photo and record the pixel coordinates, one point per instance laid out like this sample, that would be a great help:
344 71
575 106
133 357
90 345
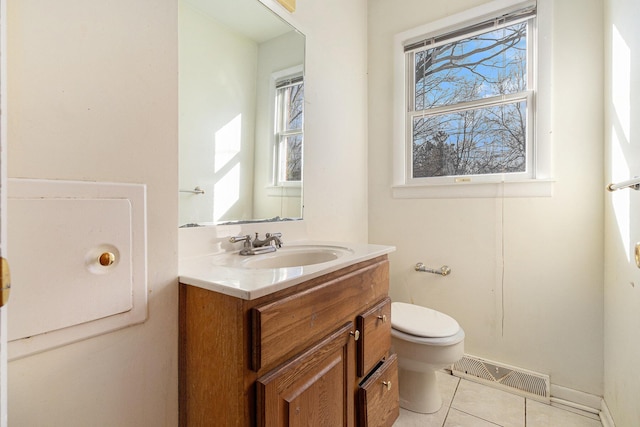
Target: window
468 110
289 130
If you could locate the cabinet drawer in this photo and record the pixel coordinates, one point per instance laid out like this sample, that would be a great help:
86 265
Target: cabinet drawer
285 327
375 336
378 398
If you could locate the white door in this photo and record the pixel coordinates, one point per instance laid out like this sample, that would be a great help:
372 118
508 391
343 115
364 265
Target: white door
3 205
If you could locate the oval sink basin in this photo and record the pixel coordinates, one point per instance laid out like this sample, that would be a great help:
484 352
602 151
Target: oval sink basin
295 256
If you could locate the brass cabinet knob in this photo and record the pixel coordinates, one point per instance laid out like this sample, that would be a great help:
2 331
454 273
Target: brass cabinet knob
106 259
356 335
387 384
383 318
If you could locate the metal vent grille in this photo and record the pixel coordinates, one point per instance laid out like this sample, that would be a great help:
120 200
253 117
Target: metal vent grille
529 384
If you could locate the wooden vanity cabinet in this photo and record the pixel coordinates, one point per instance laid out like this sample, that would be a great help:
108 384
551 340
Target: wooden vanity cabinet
291 358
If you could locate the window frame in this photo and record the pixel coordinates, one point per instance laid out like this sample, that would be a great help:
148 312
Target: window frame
280 132
536 182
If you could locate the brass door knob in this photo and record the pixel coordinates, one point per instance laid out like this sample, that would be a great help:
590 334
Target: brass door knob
106 259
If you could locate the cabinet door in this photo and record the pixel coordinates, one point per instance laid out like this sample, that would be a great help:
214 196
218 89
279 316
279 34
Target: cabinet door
378 397
314 388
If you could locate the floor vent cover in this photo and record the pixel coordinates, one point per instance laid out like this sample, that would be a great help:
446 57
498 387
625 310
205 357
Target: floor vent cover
529 384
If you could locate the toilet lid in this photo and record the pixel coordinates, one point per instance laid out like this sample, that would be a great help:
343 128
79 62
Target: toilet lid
421 321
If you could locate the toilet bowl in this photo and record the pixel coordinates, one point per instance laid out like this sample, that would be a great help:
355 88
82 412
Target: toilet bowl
425 340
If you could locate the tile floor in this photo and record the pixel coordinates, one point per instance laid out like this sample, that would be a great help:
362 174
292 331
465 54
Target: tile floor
469 404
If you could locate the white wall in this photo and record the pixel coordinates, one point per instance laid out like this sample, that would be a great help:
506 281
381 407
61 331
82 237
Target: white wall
335 151
93 96
217 107
622 210
547 313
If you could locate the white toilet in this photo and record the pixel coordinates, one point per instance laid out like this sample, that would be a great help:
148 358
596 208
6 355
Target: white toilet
425 340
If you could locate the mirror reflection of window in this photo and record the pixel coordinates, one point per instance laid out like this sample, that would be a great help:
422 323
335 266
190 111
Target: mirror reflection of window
231 54
289 130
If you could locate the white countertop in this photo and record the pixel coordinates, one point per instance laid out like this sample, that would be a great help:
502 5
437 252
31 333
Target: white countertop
210 272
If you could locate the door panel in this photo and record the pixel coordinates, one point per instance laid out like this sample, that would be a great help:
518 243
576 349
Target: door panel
314 388
3 204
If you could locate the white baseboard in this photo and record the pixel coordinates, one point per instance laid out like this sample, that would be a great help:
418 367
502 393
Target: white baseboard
605 416
585 401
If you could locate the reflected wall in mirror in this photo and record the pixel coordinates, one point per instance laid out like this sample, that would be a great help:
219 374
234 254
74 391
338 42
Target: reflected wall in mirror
241 99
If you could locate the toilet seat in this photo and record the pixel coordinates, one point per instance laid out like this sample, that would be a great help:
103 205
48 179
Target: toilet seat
444 341
422 322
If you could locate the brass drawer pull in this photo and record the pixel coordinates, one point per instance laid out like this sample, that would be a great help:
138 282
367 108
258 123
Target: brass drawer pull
387 384
383 318
356 335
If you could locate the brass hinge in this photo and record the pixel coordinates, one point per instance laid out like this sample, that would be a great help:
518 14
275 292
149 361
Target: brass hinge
5 281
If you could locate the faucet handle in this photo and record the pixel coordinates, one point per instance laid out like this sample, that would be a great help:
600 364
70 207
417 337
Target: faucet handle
276 238
246 239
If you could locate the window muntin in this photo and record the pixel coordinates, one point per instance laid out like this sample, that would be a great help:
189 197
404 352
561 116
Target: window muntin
289 130
470 104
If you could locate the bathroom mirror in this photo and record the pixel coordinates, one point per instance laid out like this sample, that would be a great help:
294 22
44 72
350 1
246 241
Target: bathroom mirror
241 89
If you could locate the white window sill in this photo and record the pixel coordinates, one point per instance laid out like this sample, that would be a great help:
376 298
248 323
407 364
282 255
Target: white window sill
463 190
284 191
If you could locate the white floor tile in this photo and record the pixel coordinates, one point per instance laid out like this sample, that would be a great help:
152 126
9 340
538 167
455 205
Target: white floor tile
469 404
460 419
496 406
541 415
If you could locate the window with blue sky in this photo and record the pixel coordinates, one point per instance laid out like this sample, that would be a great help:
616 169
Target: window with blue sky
469 98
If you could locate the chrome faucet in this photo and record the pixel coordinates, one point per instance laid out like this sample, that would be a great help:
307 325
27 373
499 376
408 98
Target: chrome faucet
269 238
258 246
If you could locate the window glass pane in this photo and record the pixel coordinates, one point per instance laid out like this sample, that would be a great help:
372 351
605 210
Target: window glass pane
294 102
289 124
489 64
292 158
478 141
